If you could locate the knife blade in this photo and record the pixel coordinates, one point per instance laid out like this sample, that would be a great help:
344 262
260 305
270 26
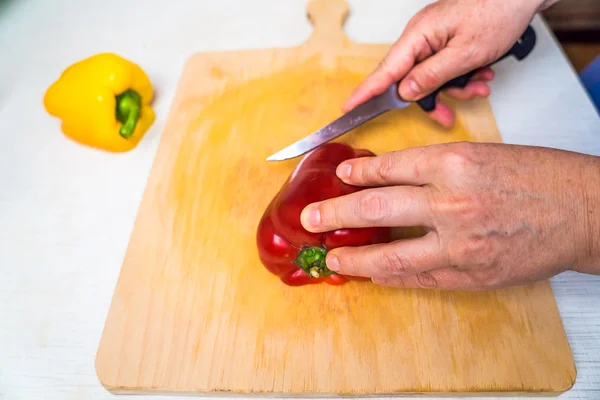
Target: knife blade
364 112
390 100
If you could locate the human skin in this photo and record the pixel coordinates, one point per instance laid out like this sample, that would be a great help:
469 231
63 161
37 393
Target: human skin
447 39
496 215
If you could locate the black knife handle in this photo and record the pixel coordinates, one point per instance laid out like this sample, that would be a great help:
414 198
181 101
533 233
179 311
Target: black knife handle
520 50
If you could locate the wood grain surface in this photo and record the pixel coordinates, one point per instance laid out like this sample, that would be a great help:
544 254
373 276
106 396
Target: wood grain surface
194 311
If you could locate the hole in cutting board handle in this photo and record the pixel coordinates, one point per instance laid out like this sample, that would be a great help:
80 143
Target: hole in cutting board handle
328 18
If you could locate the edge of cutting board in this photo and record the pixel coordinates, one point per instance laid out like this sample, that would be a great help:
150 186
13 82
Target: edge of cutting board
269 395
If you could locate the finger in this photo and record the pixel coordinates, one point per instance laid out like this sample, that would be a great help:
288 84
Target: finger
477 84
435 71
389 260
485 74
470 91
442 114
396 63
441 278
476 87
403 167
379 207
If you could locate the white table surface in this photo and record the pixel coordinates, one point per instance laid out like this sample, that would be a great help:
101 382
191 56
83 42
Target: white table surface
66 212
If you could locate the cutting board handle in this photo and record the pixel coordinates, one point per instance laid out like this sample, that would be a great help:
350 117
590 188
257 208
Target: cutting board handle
328 18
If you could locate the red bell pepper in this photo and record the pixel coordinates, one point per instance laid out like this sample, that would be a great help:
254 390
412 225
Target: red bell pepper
289 251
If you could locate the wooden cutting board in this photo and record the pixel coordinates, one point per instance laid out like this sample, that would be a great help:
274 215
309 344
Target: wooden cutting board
195 312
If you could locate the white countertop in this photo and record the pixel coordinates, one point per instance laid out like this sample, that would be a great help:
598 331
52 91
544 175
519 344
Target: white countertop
66 212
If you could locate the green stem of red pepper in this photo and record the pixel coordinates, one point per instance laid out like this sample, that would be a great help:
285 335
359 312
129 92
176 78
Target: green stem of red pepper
312 261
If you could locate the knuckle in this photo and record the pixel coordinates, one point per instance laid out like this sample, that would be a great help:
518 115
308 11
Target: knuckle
472 50
331 214
418 18
458 158
469 49
386 69
476 251
427 77
384 169
413 22
359 173
395 264
426 280
347 262
373 206
469 209
481 247
472 53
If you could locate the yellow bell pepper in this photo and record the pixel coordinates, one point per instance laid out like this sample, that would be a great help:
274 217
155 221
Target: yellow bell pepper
103 102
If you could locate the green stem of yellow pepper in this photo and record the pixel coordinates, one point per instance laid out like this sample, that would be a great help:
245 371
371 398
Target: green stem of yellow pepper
129 106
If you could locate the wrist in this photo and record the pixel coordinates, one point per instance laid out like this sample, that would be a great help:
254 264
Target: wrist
588 256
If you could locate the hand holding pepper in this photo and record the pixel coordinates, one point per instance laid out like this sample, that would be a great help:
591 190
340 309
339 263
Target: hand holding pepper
286 249
496 215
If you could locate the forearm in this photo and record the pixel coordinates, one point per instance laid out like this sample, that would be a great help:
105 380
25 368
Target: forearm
589 221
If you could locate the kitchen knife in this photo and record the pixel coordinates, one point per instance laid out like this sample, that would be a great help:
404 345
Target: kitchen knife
390 100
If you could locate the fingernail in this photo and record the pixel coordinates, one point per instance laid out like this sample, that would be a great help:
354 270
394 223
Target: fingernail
412 89
333 263
344 171
313 217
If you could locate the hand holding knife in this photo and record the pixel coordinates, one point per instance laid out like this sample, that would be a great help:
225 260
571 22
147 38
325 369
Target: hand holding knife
390 100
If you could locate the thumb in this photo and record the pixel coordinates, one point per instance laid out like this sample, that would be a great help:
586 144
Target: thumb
396 63
435 71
